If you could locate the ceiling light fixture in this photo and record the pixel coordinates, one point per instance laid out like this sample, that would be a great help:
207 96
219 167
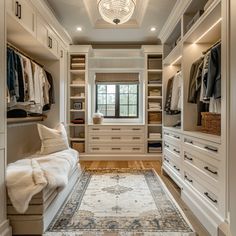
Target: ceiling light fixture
153 29
116 11
79 29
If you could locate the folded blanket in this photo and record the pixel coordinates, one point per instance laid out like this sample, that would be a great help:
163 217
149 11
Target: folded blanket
27 177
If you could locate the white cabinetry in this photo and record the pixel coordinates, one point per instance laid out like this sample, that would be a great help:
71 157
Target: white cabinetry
116 139
24 13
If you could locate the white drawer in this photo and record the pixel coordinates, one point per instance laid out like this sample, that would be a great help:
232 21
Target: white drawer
206 191
172 156
205 165
115 129
203 146
172 148
116 149
126 139
172 165
172 136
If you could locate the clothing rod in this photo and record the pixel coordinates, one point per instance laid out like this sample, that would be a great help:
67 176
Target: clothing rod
22 53
212 46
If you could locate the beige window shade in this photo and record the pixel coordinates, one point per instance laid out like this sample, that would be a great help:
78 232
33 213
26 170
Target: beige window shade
117 78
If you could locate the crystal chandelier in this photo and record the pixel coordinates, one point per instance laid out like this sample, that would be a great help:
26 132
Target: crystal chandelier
116 11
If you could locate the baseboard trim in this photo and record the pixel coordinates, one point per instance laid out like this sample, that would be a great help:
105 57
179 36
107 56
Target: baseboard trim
120 157
5 229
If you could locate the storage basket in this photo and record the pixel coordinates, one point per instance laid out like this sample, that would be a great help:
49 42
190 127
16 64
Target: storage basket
154 63
97 120
211 123
78 147
154 117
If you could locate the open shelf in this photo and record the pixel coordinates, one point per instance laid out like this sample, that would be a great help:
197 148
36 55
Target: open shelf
174 57
208 27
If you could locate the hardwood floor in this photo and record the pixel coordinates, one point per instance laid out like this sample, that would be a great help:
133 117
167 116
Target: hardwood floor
173 188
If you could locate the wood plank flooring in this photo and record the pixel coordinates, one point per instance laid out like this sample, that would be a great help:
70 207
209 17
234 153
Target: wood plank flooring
173 188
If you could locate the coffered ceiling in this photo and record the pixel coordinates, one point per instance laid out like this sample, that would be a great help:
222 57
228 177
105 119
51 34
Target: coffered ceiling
84 14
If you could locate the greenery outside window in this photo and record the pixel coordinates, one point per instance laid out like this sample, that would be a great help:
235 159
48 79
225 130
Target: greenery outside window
117 100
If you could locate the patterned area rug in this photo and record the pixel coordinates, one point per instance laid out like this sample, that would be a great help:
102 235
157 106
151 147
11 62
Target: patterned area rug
120 203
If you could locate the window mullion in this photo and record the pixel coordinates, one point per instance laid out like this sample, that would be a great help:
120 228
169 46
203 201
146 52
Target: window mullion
117 105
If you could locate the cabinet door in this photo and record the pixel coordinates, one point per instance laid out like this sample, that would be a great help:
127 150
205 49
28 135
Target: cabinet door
42 32
23 12
26 15
53 42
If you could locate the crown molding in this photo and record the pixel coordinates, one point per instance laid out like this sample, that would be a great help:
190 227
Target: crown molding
173 19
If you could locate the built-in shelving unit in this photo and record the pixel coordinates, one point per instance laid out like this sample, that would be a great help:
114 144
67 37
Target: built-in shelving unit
191 156
77 100
154 103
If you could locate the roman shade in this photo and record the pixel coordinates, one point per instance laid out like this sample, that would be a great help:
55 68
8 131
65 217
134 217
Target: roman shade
117 78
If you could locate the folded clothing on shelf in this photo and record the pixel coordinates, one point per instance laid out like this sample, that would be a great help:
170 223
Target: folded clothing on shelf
78 121
155 135
154 147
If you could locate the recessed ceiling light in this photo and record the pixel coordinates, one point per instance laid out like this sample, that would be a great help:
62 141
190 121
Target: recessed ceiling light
153 29
79 29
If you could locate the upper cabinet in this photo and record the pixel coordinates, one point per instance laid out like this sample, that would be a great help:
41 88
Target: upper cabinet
47 37
24 13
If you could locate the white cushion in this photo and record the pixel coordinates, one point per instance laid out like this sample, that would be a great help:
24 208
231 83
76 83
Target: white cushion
53 140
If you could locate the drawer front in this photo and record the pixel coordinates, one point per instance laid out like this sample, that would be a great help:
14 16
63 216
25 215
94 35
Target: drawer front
130 139
203 164
202 146
172 136
173 165
172 148
206 191
116 149
116 129
172 156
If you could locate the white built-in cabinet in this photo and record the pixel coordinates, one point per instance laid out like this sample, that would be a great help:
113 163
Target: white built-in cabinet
24 13
195 160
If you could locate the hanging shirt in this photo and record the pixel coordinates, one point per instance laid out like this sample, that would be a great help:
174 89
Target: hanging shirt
39 78
176 92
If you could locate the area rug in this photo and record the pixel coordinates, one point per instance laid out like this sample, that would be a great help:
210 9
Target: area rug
120 203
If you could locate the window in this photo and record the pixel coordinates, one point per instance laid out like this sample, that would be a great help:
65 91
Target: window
117 100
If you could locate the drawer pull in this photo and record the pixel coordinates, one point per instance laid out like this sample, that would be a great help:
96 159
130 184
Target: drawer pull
95 138
115 148
176 168
211 171
96 148
95 129
177 151
208 196
211 149
115 128
167 160
136 129
189 180
136 149
115 137
188 141
166 145
167 133
136 138
188 158
175 136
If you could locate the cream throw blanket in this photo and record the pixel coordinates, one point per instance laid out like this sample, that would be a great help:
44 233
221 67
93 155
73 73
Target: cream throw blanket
27 177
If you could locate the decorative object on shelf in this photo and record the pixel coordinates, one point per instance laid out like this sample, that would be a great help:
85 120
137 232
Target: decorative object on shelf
97 118
211 123
116 12
78 146
78 121
78 105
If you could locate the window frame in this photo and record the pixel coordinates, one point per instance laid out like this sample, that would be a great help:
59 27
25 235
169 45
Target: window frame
117 100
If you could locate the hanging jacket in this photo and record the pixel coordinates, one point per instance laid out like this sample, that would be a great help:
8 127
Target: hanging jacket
214 73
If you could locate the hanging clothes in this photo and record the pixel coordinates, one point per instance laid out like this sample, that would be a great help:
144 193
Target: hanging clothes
176 92
51 94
